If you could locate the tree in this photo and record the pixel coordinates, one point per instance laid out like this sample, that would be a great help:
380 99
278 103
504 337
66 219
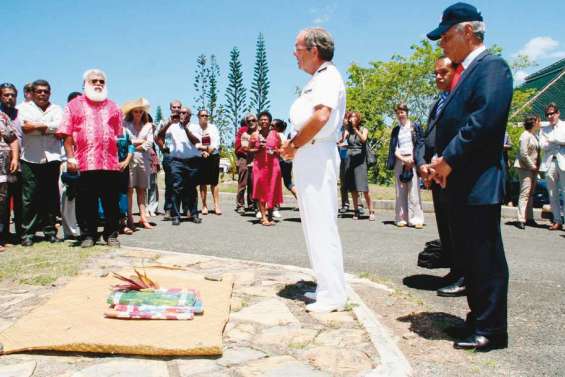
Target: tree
236 95
374 91
158 115
260 86
201 84
213 76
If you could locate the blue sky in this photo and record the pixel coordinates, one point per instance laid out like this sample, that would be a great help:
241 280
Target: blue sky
149 48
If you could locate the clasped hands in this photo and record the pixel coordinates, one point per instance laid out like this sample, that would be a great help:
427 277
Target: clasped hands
438 171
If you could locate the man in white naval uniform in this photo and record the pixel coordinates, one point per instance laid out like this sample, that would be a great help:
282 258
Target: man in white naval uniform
317 116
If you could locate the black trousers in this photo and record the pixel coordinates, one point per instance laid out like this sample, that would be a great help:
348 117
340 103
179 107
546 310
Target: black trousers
94 184
186 176
480 252
441 209
40 197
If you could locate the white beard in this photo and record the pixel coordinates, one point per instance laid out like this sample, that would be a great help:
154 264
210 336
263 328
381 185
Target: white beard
94 95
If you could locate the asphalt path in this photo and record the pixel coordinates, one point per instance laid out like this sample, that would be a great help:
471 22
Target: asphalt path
536 259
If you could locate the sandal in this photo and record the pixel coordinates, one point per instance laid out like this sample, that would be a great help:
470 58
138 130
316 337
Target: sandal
266 222
204 210
218 212
372 216
146 225
127 230
356 214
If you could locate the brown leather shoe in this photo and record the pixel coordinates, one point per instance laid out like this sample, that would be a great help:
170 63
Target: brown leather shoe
555 226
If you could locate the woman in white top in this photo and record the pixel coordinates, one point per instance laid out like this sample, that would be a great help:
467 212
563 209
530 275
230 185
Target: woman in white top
137 122
401 160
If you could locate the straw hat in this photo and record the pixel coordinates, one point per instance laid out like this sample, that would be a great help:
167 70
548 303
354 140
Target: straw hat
136 104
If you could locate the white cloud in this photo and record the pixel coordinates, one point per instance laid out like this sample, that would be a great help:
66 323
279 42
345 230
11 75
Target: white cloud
324 14
541 48
520 76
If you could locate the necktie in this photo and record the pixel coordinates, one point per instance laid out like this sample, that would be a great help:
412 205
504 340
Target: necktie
440 103
456 76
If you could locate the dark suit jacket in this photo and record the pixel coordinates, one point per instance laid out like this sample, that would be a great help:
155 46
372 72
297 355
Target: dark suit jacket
470 131
425 149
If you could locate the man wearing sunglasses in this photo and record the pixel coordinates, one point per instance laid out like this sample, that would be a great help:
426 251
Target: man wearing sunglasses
90 128
552 140
41 158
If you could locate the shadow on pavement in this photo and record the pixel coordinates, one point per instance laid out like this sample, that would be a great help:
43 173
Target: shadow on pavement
424 282
389 222
431 325
297 290
293 219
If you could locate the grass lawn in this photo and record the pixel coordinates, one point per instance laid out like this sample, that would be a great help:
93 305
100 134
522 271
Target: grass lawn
43 263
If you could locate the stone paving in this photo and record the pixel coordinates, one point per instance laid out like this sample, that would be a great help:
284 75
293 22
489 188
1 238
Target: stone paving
268 332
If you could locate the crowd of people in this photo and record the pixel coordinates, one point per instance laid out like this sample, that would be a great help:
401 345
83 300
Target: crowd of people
82 164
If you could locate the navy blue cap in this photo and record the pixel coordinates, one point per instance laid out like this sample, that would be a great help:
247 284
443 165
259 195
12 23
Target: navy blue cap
452 15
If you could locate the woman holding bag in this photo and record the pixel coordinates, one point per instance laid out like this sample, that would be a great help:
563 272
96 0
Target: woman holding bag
356 175
403 140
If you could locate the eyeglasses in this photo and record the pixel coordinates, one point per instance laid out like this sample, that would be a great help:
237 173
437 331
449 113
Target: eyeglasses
251 120
97 81
203 116
297 49
185 112
550 114
42 91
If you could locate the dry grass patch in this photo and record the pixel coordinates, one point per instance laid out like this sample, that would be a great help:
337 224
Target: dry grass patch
43 263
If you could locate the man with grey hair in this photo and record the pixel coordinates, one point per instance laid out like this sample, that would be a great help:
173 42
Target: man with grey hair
317 116
90 128
470 166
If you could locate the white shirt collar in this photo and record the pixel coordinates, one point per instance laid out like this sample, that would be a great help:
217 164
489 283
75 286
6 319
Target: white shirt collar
323 67
472 56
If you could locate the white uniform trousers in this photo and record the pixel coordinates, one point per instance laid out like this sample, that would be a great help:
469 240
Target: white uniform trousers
555 179
408 205
316 168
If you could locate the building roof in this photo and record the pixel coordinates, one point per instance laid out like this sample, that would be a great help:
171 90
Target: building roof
554 93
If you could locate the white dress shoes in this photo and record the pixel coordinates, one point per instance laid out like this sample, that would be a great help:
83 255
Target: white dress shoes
319 307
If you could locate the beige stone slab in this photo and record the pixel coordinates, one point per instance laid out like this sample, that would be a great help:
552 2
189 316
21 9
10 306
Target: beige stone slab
271 312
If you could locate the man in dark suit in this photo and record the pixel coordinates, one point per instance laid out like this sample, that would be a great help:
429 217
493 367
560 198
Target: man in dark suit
425 152
469 143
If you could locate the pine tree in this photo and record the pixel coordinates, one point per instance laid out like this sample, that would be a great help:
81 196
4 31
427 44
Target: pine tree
158 115
213 76
260 86
236 95
201 84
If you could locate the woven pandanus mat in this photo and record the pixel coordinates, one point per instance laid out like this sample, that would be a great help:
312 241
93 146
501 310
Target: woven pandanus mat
73 321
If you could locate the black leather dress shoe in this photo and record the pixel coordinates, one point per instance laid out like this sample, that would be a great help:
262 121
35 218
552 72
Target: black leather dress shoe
521 225
176 221
482 343
196 219
453 290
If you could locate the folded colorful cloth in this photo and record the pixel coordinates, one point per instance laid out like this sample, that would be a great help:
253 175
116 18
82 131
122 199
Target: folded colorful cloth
163 297
135 314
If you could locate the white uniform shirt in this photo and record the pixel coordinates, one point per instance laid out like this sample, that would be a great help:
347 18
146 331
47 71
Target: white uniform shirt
325 88
180 146
41 148
552 142
212 132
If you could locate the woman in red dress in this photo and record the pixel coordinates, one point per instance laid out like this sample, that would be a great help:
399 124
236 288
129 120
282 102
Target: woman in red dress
267 182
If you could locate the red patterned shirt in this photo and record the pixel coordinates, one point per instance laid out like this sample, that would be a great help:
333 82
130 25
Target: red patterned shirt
95 127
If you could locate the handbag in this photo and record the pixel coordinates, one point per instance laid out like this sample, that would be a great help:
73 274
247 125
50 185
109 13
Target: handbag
406 175
371 156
